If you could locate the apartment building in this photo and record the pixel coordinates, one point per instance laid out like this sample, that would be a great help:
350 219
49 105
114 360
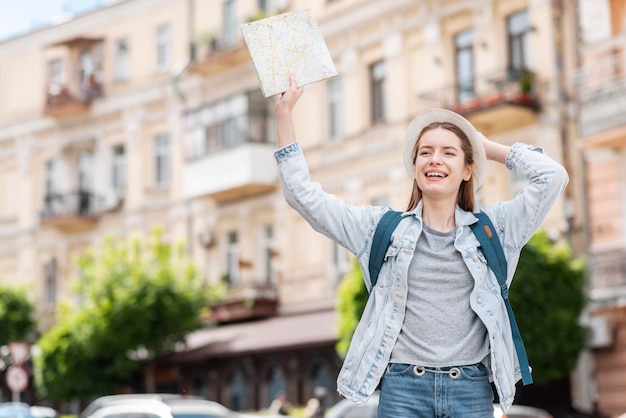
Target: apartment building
601 83
149 112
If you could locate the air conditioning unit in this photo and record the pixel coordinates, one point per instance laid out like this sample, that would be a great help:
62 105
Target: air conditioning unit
600 332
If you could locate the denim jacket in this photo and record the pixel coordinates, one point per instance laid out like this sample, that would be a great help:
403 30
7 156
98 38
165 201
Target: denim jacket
353 227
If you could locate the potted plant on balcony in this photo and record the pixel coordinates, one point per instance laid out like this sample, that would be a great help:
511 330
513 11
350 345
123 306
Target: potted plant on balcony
526 92
205 45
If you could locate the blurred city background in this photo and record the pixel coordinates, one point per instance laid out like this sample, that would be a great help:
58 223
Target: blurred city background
136 147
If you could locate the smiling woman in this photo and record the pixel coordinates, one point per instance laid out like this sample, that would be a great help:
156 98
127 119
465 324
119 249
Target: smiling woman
434 323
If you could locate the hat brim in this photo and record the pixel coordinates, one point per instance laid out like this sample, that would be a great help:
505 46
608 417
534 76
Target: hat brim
443 115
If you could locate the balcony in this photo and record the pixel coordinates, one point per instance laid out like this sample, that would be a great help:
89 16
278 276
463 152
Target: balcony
607 270
601 85
66 100
245 302
493 102
74 76
71 212
215 55
231 158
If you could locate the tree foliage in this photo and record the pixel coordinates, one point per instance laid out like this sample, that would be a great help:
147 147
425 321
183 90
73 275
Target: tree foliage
17 316
547 295
139 297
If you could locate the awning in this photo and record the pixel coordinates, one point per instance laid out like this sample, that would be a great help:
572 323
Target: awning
287 331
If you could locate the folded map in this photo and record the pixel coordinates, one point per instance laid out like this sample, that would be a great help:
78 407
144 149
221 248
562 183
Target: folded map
287 43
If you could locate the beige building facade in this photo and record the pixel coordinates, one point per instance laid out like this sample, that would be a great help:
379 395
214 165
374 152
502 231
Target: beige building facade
601 84
148 112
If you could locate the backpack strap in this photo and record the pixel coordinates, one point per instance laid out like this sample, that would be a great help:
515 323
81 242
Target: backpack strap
492 249
380 242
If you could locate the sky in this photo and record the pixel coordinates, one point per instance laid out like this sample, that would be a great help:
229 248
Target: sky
21 16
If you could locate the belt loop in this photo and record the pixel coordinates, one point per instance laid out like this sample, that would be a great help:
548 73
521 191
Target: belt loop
419 370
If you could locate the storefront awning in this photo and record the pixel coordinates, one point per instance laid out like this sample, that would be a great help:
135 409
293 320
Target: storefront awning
287 331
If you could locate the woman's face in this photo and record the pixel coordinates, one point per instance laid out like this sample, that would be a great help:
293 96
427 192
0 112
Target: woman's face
440 164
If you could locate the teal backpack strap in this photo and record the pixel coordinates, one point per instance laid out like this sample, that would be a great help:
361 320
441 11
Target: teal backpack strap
492 249
380 242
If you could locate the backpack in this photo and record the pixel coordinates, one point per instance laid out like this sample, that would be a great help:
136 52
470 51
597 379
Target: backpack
491 248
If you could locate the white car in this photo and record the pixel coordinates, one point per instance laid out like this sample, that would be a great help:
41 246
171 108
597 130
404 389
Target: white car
197 408
140 408
521 411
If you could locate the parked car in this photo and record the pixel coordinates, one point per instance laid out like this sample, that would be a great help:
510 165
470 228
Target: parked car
521 411
15 410
198 408
347 409
108 400
138 408
44 412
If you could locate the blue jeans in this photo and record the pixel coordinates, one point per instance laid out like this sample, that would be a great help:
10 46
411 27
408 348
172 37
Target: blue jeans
409 391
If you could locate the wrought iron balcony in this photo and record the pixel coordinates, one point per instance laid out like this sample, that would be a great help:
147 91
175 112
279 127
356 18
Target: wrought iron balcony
607 270
601 84
246 302
63 100
71 211
495 101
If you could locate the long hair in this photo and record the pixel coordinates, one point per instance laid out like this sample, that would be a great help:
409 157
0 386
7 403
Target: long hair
465 198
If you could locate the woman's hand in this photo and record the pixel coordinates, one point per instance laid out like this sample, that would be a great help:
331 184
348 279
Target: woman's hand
289 98
494 150
284 108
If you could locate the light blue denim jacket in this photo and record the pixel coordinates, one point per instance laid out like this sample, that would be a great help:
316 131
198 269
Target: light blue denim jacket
353 228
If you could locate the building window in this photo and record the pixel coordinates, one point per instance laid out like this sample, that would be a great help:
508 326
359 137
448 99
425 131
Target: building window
118 169
518 28
85 167
377 81
464 53
50 282
230 23
334 93
55 74
162 160
341 262
163 48
122 61
239 119
267 250
51 177
231 276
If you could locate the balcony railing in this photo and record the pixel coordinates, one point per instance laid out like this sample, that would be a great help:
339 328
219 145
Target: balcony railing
63 99
218 54
74 210
607 271
235 160
245 302
505 86
601 84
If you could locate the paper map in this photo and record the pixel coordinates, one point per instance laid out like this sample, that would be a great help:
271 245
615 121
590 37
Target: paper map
290 42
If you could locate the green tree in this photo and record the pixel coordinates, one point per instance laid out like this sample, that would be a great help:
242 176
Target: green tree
138 298
17 318
547 295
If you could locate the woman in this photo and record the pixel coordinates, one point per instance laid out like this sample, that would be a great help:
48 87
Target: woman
435 330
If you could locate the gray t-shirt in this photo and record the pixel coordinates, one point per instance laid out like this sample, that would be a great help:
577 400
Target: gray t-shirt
440 328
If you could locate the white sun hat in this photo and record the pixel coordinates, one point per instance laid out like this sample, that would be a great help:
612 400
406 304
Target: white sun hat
442 115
